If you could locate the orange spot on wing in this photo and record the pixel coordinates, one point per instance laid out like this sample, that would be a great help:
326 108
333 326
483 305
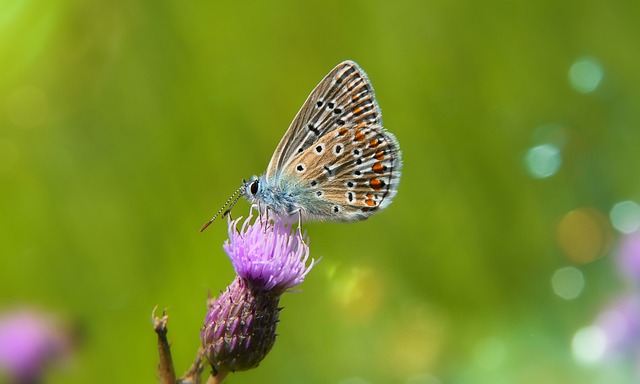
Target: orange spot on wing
358 111
379 155
376 183
378 167
370 202
373 143
359 136
342 131
355 97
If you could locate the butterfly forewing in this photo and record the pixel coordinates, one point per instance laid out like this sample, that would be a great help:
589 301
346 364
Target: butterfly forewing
343 99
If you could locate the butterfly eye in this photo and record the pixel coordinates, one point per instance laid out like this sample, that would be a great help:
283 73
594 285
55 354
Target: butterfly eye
253 188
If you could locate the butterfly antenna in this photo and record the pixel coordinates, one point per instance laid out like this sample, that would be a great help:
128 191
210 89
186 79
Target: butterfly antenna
231 201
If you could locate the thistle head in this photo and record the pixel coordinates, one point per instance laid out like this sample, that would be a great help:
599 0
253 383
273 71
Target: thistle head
269 258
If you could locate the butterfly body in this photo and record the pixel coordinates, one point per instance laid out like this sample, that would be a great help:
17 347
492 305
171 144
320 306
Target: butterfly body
283 200
336 162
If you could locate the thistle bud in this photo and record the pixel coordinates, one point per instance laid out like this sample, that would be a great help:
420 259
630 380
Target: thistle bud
240 328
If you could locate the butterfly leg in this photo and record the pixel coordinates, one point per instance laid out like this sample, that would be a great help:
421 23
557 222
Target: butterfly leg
300 235
266 214
257 207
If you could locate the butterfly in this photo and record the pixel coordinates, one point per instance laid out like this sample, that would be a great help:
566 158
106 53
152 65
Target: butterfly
336 162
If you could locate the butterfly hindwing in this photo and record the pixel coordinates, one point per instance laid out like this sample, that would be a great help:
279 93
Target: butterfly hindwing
347 174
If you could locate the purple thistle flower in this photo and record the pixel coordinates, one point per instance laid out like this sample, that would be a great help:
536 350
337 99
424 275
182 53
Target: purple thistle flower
240 328
29 342
268 254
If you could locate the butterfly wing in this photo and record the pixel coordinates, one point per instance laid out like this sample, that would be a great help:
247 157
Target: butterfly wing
343 99
347 175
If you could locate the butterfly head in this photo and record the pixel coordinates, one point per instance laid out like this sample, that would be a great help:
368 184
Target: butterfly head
252 189
256 191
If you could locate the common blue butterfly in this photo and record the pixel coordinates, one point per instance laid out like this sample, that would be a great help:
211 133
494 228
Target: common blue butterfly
335 162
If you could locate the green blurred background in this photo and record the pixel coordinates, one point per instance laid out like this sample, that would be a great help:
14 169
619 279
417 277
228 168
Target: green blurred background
125 125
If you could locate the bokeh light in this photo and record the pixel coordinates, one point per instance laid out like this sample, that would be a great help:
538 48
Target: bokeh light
588 344
585 75
584 234
625 216
619 323
628 257
567 282
543 160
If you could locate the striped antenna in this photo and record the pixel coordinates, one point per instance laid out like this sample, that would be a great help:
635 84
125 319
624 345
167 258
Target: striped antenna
231 201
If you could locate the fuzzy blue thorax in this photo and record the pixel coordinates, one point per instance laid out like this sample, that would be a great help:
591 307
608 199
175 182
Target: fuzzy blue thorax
279 199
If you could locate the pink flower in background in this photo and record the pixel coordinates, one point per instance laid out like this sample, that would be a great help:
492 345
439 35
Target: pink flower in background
620 325
29 342
628 257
